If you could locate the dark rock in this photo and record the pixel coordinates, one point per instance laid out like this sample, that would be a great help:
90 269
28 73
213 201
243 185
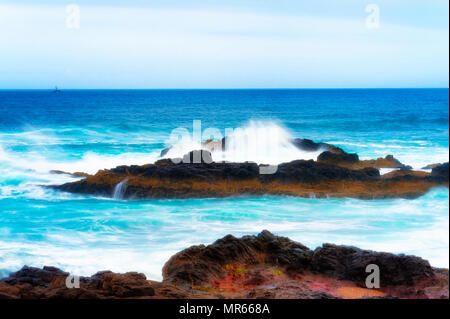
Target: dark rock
201 265
224 143
310 146
205 178
165 151
382 297
431 166
394 163
349 263
198 156
441 171
34 276
126 285
335 158
193 273
76 174
50 282
310 171
5 296
322 295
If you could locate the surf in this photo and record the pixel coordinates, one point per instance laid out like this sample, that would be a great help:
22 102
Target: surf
262 142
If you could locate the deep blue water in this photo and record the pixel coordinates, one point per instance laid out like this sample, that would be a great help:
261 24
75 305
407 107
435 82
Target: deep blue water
89 130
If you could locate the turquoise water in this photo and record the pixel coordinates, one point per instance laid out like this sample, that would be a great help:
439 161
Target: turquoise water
91 130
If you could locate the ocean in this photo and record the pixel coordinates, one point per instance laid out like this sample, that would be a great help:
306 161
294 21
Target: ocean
88 130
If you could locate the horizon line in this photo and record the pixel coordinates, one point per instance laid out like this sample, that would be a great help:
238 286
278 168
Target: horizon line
186 89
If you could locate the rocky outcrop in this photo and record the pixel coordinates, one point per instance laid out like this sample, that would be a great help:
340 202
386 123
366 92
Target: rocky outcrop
387 162
261 266
183 178
209 145
431 166
202 265
352 161
164 151
406 175
349 263
441 171
50 282
76 174
35 276
338 158
198 156
308 145
334 174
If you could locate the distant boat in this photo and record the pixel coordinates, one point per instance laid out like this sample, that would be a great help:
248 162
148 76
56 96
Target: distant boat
56 90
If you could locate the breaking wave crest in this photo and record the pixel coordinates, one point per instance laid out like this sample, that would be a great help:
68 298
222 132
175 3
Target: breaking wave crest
262 142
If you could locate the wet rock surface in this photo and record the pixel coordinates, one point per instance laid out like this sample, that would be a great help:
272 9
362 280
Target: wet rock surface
261 266
337 158
431 166
166 179
441 171
349 263
76 174
195 175
199 265
50 282
308 145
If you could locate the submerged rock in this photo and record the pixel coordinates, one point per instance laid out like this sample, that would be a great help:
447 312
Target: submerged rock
76 174
165 151
431 166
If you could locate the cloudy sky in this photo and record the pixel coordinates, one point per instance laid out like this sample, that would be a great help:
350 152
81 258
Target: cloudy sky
223 44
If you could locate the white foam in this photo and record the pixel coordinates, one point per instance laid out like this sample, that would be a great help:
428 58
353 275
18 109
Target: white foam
89 163
262 142
387 170
119 189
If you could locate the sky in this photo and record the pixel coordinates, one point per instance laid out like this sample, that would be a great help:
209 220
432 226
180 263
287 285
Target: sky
118 44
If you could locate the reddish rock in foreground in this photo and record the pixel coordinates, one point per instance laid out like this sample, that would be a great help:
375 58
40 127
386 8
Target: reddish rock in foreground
262 266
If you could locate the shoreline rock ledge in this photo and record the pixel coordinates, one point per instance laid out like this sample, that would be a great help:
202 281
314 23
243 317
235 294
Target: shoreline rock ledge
261 266
332 175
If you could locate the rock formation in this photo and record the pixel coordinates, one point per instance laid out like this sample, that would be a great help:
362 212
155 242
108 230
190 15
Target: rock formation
441 171
262 266
334 174
177 179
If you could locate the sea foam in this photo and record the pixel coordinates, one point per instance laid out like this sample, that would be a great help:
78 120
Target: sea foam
262 142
